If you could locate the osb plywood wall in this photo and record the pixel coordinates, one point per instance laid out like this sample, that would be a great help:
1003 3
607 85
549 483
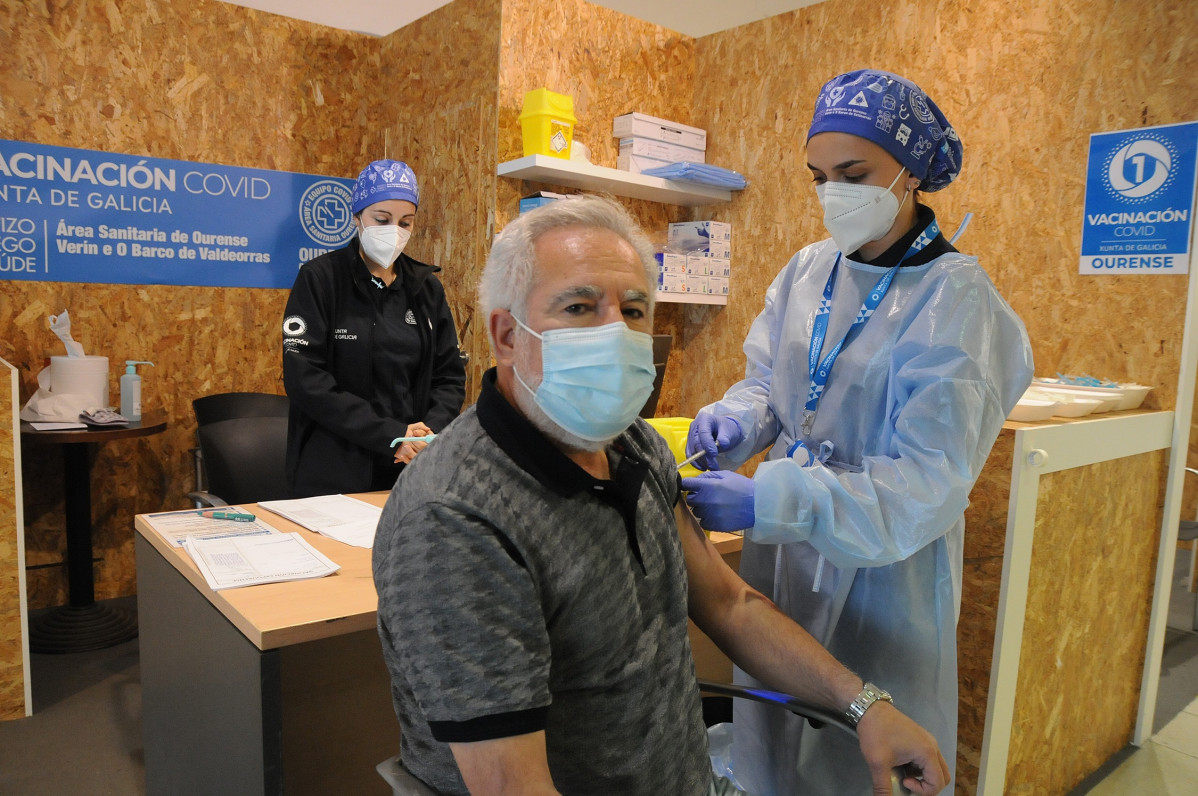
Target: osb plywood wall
610 64
1089 594
12 655
203 81
443 123
1025 82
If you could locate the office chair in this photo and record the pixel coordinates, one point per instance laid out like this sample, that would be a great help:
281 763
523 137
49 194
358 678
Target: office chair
661 355
228 405
404 784
242 444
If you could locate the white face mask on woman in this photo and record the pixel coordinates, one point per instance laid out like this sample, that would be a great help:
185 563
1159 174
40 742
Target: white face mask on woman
854 215
384 243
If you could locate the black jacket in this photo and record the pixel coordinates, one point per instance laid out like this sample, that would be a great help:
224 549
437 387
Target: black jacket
341 422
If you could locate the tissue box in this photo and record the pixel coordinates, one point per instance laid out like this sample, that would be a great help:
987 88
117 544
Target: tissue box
533 201
705 264
660 150
640 125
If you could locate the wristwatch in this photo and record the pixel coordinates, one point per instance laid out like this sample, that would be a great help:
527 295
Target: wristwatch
870 694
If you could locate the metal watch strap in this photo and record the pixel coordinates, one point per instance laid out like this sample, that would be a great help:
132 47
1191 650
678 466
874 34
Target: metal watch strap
870 694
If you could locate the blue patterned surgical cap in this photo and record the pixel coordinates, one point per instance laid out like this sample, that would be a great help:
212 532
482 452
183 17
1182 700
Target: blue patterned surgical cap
382 180
896 115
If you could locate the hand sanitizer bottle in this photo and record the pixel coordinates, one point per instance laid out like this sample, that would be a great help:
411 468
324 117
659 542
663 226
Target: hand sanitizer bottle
131 389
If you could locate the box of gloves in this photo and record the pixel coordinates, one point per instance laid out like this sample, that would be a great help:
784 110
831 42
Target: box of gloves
712 237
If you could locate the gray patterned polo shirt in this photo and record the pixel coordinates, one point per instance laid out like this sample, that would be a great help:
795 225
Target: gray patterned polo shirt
517 593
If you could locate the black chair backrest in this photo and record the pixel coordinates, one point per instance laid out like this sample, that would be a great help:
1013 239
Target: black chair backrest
661 354
244 458
229 405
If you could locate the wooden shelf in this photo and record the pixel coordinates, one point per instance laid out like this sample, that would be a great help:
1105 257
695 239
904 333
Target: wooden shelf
691 298
589 177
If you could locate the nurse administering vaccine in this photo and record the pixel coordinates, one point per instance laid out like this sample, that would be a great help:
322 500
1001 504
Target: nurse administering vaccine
877 376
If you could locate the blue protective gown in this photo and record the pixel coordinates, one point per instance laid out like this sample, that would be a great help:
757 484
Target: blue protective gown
864 550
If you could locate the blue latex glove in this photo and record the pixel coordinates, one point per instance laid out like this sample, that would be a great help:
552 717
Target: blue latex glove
712 433
723 500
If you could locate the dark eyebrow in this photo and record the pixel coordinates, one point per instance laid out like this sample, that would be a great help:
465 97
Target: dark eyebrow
840 166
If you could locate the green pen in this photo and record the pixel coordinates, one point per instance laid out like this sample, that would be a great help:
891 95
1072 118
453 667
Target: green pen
236 516
426 438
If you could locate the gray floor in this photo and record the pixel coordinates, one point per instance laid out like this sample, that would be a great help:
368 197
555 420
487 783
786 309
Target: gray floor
85 734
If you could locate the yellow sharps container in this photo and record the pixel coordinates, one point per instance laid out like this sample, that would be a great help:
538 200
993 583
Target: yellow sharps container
547 123
674 429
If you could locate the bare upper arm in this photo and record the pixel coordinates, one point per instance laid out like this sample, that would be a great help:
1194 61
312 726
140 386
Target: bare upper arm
713 588
505 766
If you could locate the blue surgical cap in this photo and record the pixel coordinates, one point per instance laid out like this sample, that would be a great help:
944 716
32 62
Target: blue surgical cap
382 180
892 112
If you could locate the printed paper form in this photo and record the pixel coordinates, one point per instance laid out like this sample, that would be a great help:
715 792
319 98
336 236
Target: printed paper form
348 520
175 526
250 560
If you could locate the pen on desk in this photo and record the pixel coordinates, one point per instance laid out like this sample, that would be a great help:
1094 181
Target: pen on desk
691 458
236 516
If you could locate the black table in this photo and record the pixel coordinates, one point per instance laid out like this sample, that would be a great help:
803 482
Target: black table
83 624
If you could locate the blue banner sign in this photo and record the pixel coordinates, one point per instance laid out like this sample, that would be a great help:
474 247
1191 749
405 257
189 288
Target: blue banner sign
78 215
1139 205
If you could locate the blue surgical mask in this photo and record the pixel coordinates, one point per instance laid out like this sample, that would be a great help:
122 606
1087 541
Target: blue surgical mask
594 379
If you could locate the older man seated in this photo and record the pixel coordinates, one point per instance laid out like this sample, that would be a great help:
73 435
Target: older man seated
536 564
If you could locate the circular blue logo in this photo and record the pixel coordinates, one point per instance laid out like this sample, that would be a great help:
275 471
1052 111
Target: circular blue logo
324 213
1140 167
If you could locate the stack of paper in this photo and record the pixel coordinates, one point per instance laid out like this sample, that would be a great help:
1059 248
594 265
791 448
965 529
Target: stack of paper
176 526
249 560
339 517
230 554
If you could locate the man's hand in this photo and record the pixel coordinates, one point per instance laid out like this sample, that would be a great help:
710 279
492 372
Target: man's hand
889 739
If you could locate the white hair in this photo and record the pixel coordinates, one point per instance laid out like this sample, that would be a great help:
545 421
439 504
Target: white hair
508 276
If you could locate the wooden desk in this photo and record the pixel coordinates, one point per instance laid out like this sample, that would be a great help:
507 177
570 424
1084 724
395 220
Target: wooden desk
83 624
266 689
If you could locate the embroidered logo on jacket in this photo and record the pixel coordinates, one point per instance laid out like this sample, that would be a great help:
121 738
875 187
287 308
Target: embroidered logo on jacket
410 318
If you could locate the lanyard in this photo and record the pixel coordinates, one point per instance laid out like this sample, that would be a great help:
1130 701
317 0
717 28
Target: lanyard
820 370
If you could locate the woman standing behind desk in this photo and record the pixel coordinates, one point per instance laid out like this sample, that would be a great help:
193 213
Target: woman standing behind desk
878 376
370 352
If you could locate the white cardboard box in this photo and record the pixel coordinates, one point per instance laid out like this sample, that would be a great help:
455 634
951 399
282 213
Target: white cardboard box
706 230
697 284
673 283
636 164
714 237
718 285
704 264
660 150
640 125
671 262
